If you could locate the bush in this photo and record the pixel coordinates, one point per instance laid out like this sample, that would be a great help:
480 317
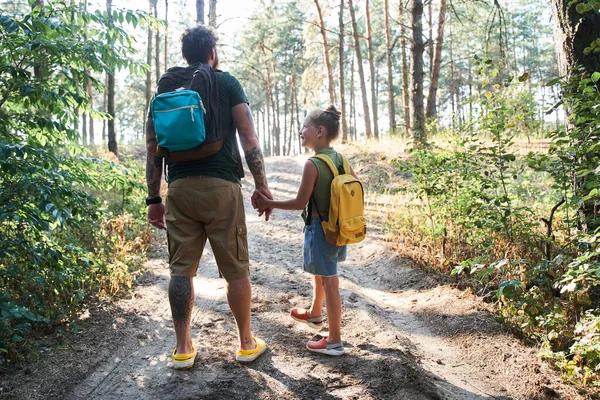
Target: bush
61 245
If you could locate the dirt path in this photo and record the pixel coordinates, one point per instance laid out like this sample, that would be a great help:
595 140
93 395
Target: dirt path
407 336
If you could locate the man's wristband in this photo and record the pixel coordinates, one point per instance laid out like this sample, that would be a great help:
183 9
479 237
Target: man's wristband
154 200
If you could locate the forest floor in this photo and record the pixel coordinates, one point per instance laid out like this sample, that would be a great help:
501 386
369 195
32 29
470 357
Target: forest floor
408 334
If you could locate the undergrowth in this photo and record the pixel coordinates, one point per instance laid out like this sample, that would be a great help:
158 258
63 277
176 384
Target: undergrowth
520 230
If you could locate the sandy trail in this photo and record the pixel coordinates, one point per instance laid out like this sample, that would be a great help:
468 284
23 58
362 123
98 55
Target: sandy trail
406 335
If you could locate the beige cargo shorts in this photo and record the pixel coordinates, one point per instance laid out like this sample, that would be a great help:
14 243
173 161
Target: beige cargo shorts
200 208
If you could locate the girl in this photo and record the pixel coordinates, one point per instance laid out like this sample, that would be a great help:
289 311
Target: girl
321 128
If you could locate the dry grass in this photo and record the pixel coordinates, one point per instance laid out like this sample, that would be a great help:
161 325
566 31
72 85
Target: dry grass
404 220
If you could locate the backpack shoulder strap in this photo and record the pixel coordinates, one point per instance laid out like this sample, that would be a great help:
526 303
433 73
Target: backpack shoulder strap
327 160
346 165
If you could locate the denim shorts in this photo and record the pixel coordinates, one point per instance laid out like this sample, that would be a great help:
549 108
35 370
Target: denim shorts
320 257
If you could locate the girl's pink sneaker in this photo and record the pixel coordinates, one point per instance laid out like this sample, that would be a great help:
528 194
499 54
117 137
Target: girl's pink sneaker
323 347
301 315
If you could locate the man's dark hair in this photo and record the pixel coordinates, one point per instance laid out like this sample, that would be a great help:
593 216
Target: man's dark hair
197 43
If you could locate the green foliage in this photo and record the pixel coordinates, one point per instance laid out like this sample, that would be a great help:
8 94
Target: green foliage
60 244
471 190
547 284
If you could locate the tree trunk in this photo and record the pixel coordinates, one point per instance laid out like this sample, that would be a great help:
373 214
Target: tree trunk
326 55
298 123
112 136
341 66
37 69
269 125
166 34
293 92
405 80
149 73
157 44
452 81
92 138
265 131
212 13
84 136
372 69
352 103
275 133
390 77
105 108
430 33
88 88
437 62
278 151
573 32
286 150
418 47
363 87
200 12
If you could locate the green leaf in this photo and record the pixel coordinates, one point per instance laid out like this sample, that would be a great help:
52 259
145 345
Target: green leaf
553 82
596 76
509 288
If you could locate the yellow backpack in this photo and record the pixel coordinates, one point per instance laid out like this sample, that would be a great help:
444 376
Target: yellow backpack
346 224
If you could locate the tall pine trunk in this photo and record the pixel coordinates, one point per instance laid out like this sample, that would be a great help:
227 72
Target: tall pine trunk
112 135
166 42
452 81
363 86
418 47
157 46
573 32
212 13
372 70
341 67
405 79
437 62
200 12
390 76
105 109
90 93
149 72
326 55
292 117
430 31
278 118
352 103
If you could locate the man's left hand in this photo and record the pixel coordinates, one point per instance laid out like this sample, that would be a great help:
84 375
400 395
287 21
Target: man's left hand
156 215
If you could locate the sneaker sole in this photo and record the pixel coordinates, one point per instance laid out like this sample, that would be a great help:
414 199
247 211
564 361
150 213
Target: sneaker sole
183 364
330 352
311 324
248 359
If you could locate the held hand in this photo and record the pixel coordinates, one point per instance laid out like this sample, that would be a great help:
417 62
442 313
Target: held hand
156 215
260 194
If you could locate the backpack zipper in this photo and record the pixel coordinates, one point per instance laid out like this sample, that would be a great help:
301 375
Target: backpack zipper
183 108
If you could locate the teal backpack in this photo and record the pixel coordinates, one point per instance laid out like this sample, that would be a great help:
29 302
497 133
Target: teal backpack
179 120
185 114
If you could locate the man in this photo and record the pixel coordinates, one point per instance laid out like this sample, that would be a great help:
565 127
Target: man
204 200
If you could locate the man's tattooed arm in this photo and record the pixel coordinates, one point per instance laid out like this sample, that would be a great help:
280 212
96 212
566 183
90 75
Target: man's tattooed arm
153 163
244 123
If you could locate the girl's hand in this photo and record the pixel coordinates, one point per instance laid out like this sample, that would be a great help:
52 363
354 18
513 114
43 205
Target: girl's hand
260 202
262 191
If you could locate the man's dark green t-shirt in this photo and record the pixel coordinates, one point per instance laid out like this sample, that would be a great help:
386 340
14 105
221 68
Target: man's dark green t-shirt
223 164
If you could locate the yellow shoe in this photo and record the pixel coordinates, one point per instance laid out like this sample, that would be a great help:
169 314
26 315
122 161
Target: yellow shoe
184 361
246 356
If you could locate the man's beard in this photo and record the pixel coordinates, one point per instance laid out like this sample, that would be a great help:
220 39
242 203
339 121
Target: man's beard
216 63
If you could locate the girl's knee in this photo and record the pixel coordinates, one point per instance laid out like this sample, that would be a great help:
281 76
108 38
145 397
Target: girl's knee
331 282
